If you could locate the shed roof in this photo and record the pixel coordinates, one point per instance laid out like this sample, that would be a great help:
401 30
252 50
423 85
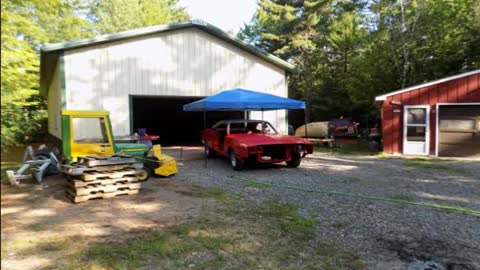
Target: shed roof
51 51
384 97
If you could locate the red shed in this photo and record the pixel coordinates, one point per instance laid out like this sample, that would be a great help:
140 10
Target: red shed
440 118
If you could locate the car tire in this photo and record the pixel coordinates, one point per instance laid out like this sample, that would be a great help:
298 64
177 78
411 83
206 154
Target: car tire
295 161
236 163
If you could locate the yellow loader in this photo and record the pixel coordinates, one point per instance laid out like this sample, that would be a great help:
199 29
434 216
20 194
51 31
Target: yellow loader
89 133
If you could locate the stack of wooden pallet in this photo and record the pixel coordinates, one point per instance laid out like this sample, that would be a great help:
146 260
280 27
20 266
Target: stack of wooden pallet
100 177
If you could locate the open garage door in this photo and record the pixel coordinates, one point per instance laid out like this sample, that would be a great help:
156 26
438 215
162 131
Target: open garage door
165 116
459 130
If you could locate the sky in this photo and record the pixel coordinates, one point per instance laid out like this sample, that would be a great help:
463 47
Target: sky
229 15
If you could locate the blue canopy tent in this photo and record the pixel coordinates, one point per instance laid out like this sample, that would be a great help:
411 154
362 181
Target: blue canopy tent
243 100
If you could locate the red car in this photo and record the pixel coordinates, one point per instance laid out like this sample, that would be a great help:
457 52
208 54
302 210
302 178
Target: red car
254 141
344 127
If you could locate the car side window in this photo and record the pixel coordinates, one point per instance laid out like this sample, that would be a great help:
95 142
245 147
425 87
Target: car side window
221 126
265 127
236 128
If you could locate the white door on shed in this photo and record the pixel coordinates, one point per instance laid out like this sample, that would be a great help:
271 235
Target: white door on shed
416 130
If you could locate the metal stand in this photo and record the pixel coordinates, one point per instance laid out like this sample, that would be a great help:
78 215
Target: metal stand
40 165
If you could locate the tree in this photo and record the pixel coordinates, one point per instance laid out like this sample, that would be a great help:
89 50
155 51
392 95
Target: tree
26 24
348 52
119 15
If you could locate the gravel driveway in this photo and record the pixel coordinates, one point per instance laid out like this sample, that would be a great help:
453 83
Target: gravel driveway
387 235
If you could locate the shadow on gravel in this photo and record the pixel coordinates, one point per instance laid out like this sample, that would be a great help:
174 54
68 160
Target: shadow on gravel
428 254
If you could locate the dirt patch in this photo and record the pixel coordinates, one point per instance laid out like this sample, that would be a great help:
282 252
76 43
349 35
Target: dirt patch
33 215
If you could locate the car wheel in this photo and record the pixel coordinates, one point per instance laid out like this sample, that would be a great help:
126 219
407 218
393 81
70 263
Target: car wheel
295 161
236 163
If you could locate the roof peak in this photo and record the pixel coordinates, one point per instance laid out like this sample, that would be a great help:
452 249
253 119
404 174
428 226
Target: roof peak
149 30
411 88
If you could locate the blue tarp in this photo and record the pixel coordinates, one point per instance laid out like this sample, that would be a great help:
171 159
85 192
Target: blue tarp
243 100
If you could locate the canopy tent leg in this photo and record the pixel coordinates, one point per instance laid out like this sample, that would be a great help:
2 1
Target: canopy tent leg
306 124
204 138
181 152
306 128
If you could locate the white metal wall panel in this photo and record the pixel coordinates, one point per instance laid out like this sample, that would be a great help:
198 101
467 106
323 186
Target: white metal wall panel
54 106
187 62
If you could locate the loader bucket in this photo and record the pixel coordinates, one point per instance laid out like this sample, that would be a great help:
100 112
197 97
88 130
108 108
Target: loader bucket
167 164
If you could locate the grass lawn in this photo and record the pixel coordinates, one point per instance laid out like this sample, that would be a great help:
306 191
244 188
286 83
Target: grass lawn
270 235
435 164
233 235
359 147
228 234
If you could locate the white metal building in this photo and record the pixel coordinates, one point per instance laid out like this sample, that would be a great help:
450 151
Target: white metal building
144 76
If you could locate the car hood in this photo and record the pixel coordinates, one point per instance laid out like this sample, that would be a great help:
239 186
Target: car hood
267 139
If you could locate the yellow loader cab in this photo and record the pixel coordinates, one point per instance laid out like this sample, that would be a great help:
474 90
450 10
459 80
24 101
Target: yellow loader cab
89 133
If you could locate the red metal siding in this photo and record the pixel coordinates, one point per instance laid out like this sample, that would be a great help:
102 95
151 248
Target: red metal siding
462 87
462 90
397 137
387 128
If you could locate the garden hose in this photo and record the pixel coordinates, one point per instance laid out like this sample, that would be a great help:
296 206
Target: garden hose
360 196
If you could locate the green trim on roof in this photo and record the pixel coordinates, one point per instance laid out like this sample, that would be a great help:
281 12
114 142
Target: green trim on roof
63 84
66 137
130 112
53 47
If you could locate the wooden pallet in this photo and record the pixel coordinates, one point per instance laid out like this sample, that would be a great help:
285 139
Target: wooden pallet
94 175
80 183
99 168
93 161
100 195
91 189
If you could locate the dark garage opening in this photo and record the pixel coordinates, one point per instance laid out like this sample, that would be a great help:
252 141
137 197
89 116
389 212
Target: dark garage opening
164 116
459 130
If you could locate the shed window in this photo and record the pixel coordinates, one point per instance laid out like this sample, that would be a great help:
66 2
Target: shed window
416 116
